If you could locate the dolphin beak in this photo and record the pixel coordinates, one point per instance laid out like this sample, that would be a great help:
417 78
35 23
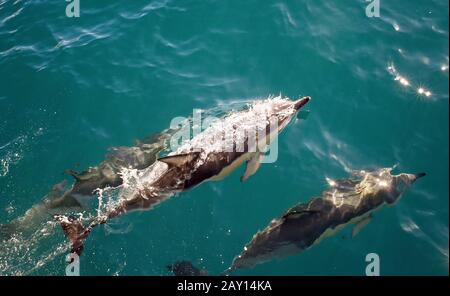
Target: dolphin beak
301 102
420 175
413 177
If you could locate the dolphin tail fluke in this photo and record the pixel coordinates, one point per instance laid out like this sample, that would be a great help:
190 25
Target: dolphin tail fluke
74 231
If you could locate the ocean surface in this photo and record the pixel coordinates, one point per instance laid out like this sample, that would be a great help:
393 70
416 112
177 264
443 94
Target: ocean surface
70 88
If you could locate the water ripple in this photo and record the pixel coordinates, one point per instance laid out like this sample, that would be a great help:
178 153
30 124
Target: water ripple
12 152
154 5
411 227
10 17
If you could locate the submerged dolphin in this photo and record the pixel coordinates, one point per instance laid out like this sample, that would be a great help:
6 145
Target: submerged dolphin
304 225
200 159
186 268
106 174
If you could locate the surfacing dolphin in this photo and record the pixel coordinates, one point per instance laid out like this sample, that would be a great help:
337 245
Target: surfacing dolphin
204 157
106 174
304 225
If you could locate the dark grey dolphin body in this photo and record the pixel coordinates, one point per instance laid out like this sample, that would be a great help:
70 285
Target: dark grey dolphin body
106 174
186 268
199 160
306 224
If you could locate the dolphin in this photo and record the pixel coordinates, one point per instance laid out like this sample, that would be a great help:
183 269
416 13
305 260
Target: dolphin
186 268
241 136
347 201
106 174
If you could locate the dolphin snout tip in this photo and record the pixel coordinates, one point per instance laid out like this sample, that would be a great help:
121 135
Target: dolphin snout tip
420 175
301 102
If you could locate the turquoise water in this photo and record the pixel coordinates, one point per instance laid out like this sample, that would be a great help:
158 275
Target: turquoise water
72 87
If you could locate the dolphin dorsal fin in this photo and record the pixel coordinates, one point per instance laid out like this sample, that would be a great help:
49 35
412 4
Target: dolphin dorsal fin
74 174
179 159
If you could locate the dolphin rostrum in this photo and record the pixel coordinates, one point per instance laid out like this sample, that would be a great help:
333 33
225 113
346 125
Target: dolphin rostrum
241 136
304 225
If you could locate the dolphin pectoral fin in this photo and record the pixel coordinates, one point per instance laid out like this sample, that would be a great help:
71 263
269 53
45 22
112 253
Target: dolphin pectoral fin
360 225
180 159
252 166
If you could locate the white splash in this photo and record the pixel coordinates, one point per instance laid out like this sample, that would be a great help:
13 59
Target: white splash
237 126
